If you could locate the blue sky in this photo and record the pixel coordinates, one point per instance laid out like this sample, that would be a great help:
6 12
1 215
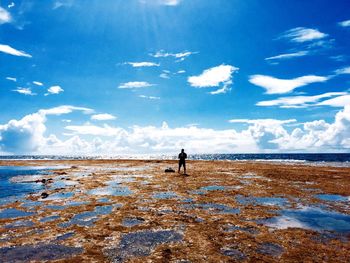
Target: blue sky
153 76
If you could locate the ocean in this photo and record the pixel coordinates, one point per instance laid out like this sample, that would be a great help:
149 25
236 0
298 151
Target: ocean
338 159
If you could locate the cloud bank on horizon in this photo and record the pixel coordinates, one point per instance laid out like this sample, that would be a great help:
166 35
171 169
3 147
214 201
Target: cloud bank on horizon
119 78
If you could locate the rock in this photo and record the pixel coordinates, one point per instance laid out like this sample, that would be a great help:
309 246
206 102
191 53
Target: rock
169 170
44 195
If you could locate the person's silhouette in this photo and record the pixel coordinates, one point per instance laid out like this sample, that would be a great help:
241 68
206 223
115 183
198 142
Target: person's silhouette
182 160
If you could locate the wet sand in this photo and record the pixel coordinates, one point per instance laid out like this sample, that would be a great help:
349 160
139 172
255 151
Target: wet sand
131 211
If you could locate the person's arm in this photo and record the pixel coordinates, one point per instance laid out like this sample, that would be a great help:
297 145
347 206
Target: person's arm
185 155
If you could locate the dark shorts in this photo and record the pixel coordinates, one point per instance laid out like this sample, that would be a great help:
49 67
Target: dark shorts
182 163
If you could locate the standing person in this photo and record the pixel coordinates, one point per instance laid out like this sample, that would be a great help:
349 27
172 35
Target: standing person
182 160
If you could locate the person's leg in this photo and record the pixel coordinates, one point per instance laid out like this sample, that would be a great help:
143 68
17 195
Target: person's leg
184 167
178 171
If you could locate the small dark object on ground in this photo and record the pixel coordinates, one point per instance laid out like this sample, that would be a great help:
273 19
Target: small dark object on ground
169 170
44 195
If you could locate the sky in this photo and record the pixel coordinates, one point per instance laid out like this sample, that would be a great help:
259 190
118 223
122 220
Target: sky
118 77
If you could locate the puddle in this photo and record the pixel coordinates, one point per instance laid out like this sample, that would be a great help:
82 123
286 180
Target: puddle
333 198
269 201
233 253
212 188
57 196
20 223
270 249
30 204
49 219
165 195
312 218
251 176
138 244
37 253
88 218
130 222
213 208
65 236
63 184
114 191
13 213
197 192
232 228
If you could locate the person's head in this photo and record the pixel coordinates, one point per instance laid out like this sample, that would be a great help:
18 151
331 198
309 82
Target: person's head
182 150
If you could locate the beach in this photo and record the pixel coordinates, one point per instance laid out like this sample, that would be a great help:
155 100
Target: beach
221 211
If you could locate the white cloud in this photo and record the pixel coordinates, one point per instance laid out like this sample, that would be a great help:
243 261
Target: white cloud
181 71
89 129
181 56
162 2
38 83
267 122
149 97
12 4
288 55
54 90
345 70
5 16
103 117
62 3
165 74
345 23
299 101
214 77
135 85
12 79
11 51
274 85
28 135
170 2
64 109
25 91
302 34
142 64
340 101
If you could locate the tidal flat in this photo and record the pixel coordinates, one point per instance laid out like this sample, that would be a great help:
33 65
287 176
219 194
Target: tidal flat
132 211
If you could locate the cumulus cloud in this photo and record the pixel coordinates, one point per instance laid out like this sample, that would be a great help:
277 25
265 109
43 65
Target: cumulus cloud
103 117
11 51
319 134
274 85
24 91
299 101
38 83
5 16
54 90
288 56
135 85
214 77
142 64
345 23
302 34
28 135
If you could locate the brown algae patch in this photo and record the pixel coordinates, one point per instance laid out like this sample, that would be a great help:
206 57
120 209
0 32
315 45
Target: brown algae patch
130 210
